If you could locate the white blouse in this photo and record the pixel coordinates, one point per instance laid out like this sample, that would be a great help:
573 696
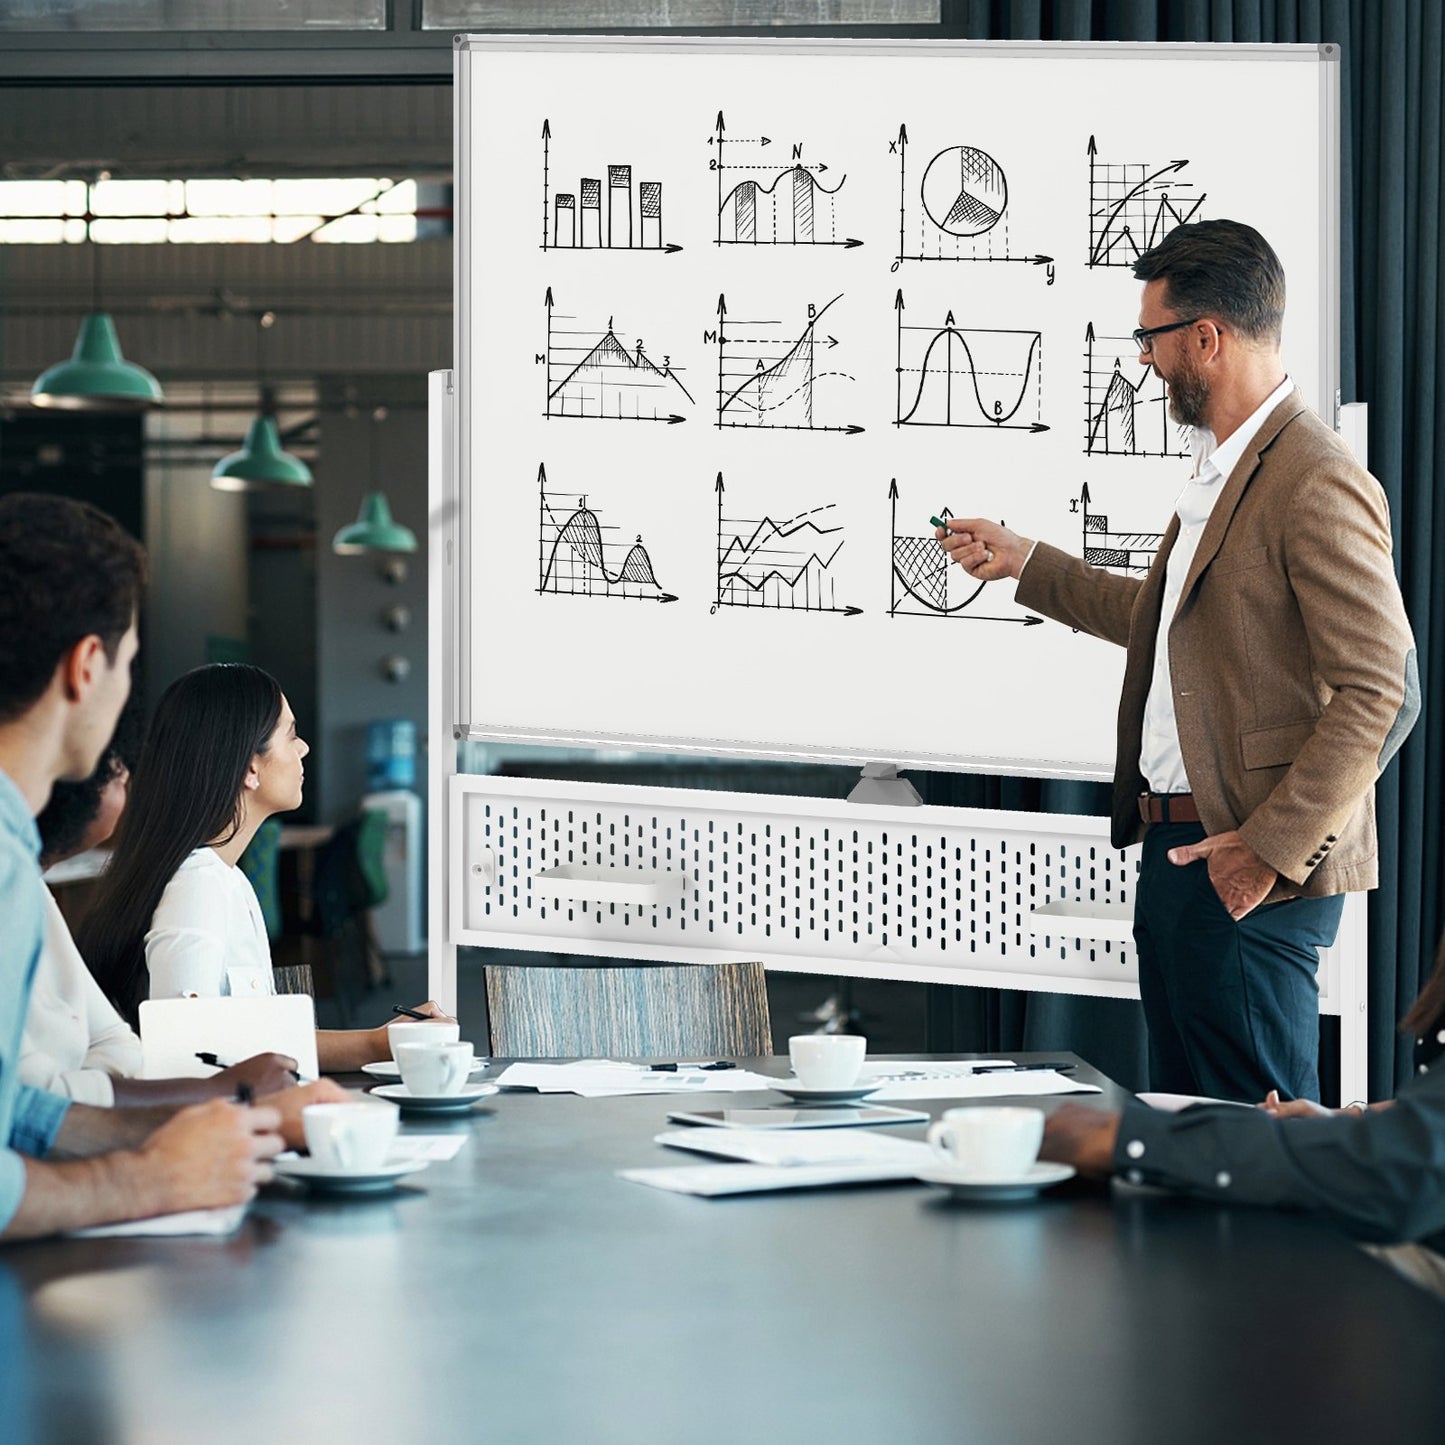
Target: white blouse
207 937
75 1042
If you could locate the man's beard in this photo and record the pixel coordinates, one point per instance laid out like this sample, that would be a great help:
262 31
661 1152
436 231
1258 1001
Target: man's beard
1188 394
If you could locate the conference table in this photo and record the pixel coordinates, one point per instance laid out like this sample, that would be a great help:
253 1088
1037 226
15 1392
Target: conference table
523 1292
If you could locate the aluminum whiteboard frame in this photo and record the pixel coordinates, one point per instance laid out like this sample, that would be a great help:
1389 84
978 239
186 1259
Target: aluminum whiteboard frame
1327 389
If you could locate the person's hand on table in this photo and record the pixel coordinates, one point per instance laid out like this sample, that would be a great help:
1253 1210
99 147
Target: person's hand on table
210 1156
1295 1108
261 1073
289 1103
985 550
432 1010
1084 1137
1240 877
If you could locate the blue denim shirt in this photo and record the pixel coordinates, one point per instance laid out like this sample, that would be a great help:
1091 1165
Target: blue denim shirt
29 1118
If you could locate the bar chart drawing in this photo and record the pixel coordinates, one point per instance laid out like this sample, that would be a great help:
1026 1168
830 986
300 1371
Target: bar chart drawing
772 204
1133 206
781 565
1123 417
1103 546
968 376
956 210
593 375
772 381
604 212
576 556
926 583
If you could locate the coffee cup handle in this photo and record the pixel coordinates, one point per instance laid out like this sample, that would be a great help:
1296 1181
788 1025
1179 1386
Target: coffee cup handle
344 1140
940 1139
455 1075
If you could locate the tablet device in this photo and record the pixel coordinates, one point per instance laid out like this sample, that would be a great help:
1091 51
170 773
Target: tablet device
864 1115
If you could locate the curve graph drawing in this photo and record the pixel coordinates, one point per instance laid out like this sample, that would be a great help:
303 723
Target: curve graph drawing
1124 417
783 565
772 204
593 375
1133 206
968 376
925 583
576 557
766 383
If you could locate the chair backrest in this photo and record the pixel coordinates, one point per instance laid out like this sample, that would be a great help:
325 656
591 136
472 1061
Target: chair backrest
350 873
293 978
261 865
633 1010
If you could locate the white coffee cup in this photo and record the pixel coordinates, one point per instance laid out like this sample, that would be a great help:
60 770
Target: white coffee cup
988 1143
827 1061
350 1136
429 1068
411 1031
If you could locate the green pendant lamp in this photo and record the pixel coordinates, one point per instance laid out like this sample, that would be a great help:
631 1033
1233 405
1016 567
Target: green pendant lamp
97 377
261 462
374 530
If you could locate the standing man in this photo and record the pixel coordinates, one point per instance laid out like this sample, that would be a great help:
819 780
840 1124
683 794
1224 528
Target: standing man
1270 677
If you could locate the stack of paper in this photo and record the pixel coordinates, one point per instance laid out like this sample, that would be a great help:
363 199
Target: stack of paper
783 1160
606 1078
963 1080
190 1221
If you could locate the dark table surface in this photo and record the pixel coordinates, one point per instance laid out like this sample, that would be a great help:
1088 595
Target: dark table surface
522 1292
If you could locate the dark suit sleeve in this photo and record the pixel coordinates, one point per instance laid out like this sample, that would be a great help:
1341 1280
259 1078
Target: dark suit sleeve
1092 599
1380 1175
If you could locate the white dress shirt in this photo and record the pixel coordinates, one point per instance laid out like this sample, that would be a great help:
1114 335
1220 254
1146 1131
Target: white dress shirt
207 938
1160 760
75 1043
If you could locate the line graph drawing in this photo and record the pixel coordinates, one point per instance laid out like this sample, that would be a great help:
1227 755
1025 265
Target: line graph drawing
577 558
960 206
925 583
767 380
782 203
784 565
968 376
592 374
1120 551
575 220
1133 206
1124 418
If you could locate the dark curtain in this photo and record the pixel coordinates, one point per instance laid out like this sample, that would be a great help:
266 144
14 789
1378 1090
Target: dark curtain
1392 316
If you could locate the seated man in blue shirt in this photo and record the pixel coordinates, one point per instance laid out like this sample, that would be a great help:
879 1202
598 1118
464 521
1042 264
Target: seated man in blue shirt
70 590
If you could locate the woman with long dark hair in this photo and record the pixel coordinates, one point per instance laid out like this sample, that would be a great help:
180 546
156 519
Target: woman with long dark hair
173 915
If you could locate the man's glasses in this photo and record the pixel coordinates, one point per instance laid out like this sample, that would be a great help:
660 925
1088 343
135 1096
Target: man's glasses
1144 338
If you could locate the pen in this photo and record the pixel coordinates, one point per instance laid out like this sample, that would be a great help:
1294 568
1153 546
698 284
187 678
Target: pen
411 1013
214 1060
1061 1068
243 1093
673 1068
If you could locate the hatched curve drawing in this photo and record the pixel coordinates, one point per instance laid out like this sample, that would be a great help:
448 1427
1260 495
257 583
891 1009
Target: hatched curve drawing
925 583
577 556
956 376
767 380
593 375
763 202
784 565
956 210
1134 205
1126 406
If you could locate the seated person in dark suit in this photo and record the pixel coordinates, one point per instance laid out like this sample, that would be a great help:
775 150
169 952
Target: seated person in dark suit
1376 1170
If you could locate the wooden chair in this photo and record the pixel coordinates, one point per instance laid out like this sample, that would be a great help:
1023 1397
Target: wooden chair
632 1010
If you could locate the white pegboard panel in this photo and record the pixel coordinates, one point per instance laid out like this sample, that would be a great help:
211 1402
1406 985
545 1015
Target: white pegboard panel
938 895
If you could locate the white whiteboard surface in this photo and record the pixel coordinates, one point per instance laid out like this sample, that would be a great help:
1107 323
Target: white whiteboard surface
989 389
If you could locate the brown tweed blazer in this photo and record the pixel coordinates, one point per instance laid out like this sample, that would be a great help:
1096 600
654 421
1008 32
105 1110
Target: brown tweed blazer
1291 658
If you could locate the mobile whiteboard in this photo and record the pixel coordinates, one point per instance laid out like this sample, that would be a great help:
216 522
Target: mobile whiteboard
736 318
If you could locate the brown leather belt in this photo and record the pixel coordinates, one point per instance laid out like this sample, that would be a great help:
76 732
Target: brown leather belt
1168 808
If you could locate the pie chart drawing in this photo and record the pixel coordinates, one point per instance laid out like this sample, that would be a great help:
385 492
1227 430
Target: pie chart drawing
964 191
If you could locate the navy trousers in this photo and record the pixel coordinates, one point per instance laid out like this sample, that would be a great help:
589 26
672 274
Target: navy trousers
1232 1008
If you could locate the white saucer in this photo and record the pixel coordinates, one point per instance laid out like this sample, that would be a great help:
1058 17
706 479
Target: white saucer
434 1103
803 1094
966 1185
390 1069
328 1178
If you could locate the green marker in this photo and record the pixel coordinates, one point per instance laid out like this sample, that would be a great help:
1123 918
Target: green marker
937 523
